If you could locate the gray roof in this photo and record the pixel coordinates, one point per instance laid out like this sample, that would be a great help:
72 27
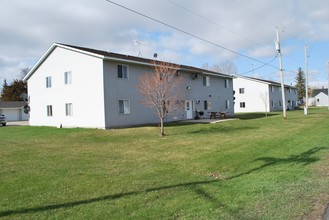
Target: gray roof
12 104
316 92
116 56
266 81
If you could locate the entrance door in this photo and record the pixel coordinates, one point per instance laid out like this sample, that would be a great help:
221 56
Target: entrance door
188 109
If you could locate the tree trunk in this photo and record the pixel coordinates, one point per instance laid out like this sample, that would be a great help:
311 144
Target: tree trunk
162 127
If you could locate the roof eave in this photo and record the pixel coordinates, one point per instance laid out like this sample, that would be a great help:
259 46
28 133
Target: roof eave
48 52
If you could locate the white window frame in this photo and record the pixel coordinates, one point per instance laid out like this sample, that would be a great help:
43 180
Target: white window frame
227 103
227 84
49 110
48 82
68 77
68 109
124 74
124 106
241 90
207 105
206 80
242 105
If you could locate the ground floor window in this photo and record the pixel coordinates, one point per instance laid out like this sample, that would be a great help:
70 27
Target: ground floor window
242 104
124 107
207 105
49 110
227 104
68 109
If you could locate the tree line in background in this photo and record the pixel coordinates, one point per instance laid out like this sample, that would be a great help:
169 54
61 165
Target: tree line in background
16 90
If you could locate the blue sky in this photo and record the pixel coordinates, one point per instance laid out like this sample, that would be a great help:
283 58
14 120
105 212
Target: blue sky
28 28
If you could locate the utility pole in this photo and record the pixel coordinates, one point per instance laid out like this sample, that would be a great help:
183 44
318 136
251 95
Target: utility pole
277 46
306 80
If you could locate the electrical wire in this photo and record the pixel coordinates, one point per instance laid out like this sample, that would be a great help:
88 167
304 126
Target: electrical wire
192 35
212 22
265 64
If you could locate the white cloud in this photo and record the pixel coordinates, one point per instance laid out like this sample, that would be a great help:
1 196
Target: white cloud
245 27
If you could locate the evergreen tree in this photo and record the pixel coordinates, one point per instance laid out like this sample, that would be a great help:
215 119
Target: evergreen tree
300 84
14 91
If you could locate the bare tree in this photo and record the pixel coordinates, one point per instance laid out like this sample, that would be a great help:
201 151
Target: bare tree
264 97
160 90
226 67
24 72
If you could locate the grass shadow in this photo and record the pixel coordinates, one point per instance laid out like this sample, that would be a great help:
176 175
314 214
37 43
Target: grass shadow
222 130
256 115
304 158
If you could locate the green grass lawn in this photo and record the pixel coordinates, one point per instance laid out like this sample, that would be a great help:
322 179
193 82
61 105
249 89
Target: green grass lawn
253 167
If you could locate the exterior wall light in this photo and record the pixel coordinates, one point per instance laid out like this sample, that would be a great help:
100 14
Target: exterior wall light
188 87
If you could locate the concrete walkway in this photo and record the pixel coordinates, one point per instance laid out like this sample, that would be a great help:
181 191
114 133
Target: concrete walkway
209 121
17 123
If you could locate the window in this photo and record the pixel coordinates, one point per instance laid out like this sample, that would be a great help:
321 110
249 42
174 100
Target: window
206 81
68 109
207 105
124 107
227 83
280 104
241 90
49 110
68 77
227 104
272 88
123 72
48 82
272 103
242 104
166 105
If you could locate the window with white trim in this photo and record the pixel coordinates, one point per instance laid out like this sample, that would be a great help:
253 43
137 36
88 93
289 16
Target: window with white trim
227 83
68 77
242 104
49 110
272 103
48 82
227 104
206 81
207 105
241 90
123 72
124 107
68 109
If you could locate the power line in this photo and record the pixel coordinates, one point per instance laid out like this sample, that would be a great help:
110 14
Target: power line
212 22
192 35
265 64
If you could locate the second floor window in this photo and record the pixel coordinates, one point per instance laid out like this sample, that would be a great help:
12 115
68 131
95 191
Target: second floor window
206 81
68 77
241 90
123 72
48 82
227 83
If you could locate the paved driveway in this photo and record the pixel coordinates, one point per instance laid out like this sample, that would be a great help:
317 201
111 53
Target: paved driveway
17 123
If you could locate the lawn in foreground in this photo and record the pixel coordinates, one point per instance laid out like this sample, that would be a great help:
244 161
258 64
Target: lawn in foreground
248 168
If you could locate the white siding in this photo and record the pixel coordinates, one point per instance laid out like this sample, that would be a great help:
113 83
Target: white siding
86 91
253 95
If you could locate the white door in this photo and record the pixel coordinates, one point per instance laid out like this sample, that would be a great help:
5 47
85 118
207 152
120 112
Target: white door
188 109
